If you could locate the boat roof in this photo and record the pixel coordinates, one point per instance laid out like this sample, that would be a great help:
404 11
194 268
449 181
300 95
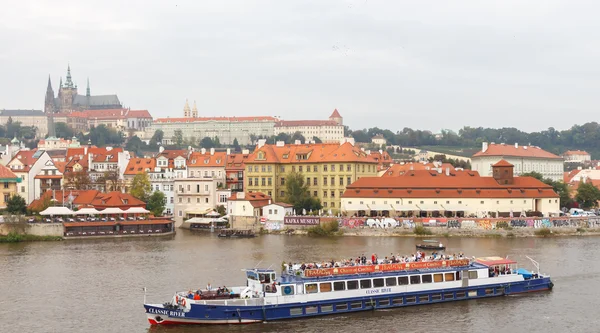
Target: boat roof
303 279
492 261
259 270
430 241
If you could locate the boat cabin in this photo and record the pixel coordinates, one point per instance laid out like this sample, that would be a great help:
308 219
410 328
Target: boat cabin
498 265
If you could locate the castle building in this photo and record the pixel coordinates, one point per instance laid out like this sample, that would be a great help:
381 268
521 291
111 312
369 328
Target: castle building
69 100
327 131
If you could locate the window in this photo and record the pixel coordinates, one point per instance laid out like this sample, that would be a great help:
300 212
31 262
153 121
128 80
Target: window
300 169
415 279
341 307
391 281
180 213
263 181
348 180
311 288
378 283
481 202
315 193
5 185
326 308
448 296
6 196
365 284
315 181
250 181
282 181
269 181
324 194
332 167
171 201
180 200
293 168
205 200
438 277
449 276
339 285
256 181
356 305
324 204
324 180
296 312
282 169
307 180
282 193
314 168
325 167
472 274
426 278
190 199
411 299
349 167
424 298
325 287
269 168
332 181
436 297
384 302
341 180
333 194
397 301
351 285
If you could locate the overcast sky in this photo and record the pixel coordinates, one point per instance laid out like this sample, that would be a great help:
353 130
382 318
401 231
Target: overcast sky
391 64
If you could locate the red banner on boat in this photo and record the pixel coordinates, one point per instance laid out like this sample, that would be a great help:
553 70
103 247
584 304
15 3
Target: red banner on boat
384 267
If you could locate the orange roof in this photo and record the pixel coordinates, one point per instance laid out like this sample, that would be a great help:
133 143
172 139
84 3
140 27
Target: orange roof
139 165
5 173
335 114
197 159
291 123
234 119
172 153
116 199
235 162
138 114
401 169
567 176
60 166
520 151
575 152
423 186
75 152
74 114
104 150
26 158
309 153
106 113
112 158
502 163
256 199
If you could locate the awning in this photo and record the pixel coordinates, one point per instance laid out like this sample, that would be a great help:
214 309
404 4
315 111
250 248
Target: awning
429 207
354 207
197 211
404 208
203 220
454 208
213 213
112 210
136 210
87 211
380 207
57 211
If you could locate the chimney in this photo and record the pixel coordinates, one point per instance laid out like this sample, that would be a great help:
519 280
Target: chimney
85 150
517 145
241 195
297 142
484 147
362 148
161 149
447 171
261 143
245 151
212 151
368 152
381 151
228 151
280 143
524 147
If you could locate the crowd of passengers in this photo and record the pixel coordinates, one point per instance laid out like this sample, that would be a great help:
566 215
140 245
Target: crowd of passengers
364 261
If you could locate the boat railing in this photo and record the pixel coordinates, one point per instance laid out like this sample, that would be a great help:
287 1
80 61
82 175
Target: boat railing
233 302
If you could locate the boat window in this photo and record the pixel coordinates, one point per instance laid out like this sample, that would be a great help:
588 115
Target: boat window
448 296
384 302
272 276
460 294
415 279
391 281
438 277
352 284
424 298
311 309
252 276
436 297
364 284
397 301
325 287
458 275
341 306
489 291
472 274
296 311
339 285
327 308
287 290
264 278
426 278
411 299
402 280
378 283
449 276
356 305
311 288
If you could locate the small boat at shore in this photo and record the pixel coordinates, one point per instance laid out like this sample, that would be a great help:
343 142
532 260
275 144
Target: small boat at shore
236 233
339 288
431 245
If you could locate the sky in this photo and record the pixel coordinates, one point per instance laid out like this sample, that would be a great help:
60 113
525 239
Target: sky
392 64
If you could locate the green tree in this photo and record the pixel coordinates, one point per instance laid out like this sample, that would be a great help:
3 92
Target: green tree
561 188
63 130
136 145
297 136
140 186
535 175
236 146
178 138
207 143
156 203
317 140
283 137
298 195
587 195
156 139
221 210
16 205
102 136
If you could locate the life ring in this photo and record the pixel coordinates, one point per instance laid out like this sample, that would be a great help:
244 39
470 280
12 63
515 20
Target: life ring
177 299
183 302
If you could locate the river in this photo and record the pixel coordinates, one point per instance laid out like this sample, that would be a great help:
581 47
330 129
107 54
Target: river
97 285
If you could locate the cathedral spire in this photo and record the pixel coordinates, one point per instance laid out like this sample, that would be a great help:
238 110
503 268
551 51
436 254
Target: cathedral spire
87 90
186 109
69 83
195 111
49 101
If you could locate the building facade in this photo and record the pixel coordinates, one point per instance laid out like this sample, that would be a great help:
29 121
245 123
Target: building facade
34 118
425 193
193 197
26 165
9 186
524 158
327 131
577 156
327 168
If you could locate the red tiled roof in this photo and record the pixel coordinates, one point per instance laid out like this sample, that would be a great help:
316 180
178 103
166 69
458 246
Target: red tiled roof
172 153
116 199
250 196
233 119
575 152
235 162
26 158
108 157
292 123
197 159
5 173
311 153
106 114
139 165
335 114
401 169
520 151
75 152
502 163
60 166
138 114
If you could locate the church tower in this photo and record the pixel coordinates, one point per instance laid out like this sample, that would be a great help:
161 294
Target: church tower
195 111
68 91
335 116
186 109
49 106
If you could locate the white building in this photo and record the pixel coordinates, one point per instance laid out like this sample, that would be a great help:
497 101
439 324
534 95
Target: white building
524 158
327 131
378 140
577 156
193 197
26 165
277 211
247 204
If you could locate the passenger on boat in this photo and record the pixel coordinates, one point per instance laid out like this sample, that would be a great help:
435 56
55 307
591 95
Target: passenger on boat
196 296
208 287
190 295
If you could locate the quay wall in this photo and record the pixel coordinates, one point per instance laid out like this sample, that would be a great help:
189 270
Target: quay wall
36 229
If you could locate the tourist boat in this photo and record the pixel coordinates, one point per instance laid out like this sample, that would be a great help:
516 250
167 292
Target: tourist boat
323 291
431 245
236 233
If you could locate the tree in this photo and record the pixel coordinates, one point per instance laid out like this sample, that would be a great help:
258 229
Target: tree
535 175
361 136
317 140
236 146
16 205
63 130
178 138
111 180
77 180
103 136
298 195
297 136
587 195
156 139
283 137
221 210
140 186
156 203
136 145
207 143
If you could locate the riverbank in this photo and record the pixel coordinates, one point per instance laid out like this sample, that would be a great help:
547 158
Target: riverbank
453 232
17 238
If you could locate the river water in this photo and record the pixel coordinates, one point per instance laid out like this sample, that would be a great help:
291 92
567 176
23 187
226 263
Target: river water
97 285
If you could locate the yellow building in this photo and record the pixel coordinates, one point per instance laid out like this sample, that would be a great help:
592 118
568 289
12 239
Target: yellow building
327 168
9 185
